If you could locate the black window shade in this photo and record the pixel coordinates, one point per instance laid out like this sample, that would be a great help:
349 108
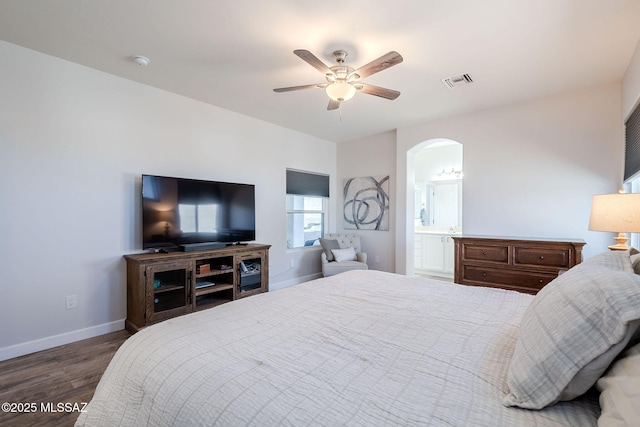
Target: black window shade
307 184
632 145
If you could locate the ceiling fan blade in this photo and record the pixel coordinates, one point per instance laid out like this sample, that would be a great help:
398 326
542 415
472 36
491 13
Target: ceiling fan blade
291 88
385 61
313 60
377 91
333 105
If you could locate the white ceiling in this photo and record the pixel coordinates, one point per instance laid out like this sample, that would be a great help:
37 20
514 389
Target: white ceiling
233 53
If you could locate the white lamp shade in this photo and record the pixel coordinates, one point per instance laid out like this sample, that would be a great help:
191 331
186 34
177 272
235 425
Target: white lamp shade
340 91
617 213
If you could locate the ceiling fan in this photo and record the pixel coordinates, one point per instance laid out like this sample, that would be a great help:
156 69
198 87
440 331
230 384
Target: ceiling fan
343 81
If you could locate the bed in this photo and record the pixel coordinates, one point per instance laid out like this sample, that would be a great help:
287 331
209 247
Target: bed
368 348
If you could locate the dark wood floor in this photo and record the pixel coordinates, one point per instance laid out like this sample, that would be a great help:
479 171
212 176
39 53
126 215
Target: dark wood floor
65 374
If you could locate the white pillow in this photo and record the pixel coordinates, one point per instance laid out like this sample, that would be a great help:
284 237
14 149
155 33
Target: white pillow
573 329
619 391
340 255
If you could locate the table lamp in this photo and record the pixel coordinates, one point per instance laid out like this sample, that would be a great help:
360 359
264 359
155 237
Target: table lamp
617 213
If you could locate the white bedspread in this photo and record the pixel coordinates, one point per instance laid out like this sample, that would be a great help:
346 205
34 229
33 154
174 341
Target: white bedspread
363 348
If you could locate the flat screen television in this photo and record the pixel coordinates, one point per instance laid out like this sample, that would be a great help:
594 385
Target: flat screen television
180 211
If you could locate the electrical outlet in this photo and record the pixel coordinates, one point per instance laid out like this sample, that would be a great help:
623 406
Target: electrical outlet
377 259
71 301
292 263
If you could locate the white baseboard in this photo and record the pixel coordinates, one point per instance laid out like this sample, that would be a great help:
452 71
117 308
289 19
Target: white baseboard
94 331
297 280
57 340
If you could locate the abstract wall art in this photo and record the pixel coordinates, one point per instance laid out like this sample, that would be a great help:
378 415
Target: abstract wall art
366 203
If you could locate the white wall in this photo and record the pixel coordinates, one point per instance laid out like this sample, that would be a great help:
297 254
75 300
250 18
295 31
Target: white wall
631 85
430 161
73 144
372 156
529 169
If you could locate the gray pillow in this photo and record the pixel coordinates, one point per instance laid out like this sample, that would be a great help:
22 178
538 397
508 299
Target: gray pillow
328 245
573 329
635 260
619 392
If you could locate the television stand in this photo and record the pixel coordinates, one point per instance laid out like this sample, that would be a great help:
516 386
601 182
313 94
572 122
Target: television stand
162 286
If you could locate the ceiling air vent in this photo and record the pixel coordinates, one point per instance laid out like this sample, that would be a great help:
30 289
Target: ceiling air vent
460 80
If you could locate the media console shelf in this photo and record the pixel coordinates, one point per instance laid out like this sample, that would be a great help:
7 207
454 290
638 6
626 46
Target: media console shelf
162 286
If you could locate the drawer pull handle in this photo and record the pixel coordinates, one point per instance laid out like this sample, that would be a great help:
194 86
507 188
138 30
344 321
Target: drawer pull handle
484 253
541 257
540 281
484 274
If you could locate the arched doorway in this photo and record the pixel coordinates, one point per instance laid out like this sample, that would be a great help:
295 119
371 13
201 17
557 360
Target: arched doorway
436 206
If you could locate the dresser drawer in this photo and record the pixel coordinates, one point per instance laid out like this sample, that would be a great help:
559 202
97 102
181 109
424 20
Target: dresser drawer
549 257
512 278
486 253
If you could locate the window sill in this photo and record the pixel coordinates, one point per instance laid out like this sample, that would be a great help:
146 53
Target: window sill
304 249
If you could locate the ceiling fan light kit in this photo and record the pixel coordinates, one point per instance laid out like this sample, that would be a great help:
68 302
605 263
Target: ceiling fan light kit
340 91
343 81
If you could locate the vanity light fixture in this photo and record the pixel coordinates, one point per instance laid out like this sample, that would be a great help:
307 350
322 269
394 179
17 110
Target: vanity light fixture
450 174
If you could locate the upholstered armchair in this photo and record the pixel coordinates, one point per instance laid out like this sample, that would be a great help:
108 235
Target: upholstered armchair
341 252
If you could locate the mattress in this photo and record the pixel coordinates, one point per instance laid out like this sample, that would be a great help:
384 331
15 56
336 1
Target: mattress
362 348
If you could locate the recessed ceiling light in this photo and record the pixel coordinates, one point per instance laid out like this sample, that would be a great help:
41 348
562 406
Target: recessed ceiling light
141 60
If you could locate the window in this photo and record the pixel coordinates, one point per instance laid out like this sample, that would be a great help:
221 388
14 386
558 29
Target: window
633 186
307 195
305 220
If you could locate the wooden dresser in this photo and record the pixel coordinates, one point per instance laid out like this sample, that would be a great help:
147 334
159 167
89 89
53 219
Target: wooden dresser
520 264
